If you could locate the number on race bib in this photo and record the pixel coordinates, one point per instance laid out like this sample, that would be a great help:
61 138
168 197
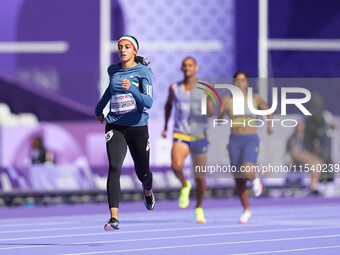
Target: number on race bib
123 103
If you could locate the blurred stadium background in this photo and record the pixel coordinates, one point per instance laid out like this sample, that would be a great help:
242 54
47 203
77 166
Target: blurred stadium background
53 60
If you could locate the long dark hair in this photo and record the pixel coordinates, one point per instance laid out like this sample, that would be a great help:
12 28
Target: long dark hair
140 59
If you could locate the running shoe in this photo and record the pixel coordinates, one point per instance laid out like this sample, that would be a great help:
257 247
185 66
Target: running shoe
257 187
112 224
149 201
200 218
245 216
183 201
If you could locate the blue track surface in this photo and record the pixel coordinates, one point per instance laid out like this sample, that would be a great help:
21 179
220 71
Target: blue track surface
303 226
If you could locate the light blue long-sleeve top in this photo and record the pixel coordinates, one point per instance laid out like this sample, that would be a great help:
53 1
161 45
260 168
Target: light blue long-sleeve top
141 90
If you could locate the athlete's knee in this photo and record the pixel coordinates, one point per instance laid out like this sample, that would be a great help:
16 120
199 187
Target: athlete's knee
115 169
177 165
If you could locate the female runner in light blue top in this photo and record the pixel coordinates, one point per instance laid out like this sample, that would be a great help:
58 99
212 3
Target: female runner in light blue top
130 95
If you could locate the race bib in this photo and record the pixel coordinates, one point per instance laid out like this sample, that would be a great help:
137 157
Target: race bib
123 103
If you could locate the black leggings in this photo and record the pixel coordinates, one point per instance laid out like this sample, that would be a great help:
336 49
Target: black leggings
117 140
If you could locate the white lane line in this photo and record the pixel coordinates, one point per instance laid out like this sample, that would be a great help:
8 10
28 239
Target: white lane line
122 215
212 219
100 220
160 215
86 216
258 210
325 222
90 227
328 222
206 244
95 217
136 231
173 237
291 250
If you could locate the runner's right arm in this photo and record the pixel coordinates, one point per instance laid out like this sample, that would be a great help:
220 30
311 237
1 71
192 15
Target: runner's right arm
101 105
168 108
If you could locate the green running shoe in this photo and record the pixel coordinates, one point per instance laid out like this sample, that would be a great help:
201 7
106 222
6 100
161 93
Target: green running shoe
200 218
184 200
